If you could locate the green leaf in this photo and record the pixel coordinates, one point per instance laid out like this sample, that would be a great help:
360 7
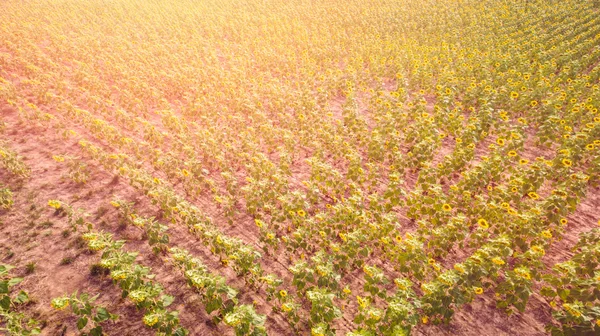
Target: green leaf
548 292
21 298
14 281
564 294
3 287
167 300
82 322
96 331
102 314
4 302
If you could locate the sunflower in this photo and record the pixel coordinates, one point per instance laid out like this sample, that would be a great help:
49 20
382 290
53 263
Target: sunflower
60 303
478 290
150 319
500 141
538 249
567 162
512 153
533 195
459 268
54 204
483 224
446 207
514 95
283 293
498 261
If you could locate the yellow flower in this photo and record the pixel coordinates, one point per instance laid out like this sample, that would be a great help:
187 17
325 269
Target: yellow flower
54 204
286 307
301 213
347 290
589 146
533 195
60 303
500 142
283 293
185 172
459 268
375 315
567 162
118 275
424 319
523 162
258 223
115 204
58 158
498 261
89 236
478 290
533 103
270 236
137 296
446 207
362 303
523 273
538 249
150 319
512 153
483 224
547 234
322 234
514 95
